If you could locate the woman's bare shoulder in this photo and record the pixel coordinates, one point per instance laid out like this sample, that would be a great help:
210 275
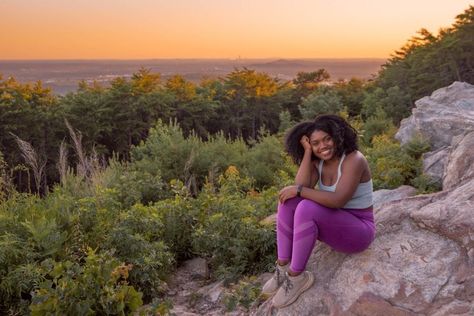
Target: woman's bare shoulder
356 157
358 160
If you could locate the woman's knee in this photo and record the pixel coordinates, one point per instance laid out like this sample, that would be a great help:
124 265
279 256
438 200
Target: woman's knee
289 204
308 208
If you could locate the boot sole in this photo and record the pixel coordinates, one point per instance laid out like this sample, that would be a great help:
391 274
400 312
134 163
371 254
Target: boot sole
266 296
306 286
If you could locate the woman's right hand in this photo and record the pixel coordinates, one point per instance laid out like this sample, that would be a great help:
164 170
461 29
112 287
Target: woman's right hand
304 141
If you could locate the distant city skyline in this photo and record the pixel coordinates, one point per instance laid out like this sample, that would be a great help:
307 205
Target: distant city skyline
149 29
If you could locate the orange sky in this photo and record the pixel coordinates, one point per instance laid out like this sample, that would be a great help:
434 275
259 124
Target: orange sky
134 29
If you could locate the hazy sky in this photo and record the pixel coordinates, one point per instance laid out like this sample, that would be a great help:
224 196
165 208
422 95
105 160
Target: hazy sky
129 29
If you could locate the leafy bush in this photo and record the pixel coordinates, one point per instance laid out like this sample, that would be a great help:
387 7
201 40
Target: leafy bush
99 286
417 146
138 182
179 216
264 159
245 293
426 184
231 235
390 165
136 240
376 124
194 161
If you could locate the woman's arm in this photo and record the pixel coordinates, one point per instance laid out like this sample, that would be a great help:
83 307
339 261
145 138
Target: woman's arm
354 166
306 172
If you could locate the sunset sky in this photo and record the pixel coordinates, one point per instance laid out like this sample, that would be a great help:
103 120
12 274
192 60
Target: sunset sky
136 29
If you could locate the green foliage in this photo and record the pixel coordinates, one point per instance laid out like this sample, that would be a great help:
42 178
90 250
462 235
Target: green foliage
323 100
192 160
426 184
245 293
393 165
352 95
98 287
417 146
306 82
376 124
390 165
248 104
138 182
137 240
285 121
393 101
6 186
263 159
28 111
232 236
179 215
61 226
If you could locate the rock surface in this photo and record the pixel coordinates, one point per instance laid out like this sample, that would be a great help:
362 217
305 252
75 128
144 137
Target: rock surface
448 112
434 163
458 167
385 196
422 259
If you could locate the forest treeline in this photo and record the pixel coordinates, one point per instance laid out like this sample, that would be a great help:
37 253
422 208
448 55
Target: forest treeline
104 191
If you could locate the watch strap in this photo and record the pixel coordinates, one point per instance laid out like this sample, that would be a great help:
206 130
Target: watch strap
298 190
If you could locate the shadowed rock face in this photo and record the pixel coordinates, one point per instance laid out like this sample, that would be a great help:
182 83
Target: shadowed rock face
422 259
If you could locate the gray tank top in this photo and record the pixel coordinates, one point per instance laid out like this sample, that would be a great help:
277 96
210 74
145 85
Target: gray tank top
363 195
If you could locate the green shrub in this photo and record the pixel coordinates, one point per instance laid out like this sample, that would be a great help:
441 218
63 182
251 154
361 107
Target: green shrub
138 182
245 293
417 146
194 161
426 184
98 287
391 167
179 216
263 160
230 234
136 240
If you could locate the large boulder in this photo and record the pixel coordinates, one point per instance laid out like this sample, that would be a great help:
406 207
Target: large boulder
446 113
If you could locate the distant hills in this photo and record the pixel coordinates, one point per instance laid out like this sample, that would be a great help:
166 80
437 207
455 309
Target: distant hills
63 75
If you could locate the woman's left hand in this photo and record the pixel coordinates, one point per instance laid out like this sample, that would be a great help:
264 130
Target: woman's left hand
286 193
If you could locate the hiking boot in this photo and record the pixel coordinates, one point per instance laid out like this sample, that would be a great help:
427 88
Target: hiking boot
291 288
272 285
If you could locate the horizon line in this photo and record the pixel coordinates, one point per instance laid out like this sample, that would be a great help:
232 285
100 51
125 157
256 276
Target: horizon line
188 58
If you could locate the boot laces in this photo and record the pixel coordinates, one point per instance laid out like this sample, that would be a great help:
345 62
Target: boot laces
278 275
287 284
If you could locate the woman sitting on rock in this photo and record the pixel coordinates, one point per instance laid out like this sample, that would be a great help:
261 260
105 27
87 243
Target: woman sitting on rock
331 201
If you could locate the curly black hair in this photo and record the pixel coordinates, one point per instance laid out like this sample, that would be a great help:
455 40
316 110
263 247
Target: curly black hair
342 133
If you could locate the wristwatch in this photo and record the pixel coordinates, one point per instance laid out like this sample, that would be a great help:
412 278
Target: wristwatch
298 190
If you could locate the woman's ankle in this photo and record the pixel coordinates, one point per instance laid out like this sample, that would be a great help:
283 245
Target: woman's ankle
294 273
283 262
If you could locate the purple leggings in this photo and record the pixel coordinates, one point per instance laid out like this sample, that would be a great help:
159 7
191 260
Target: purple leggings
300 222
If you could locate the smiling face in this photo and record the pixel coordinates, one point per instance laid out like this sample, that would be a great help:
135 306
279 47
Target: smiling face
322 144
